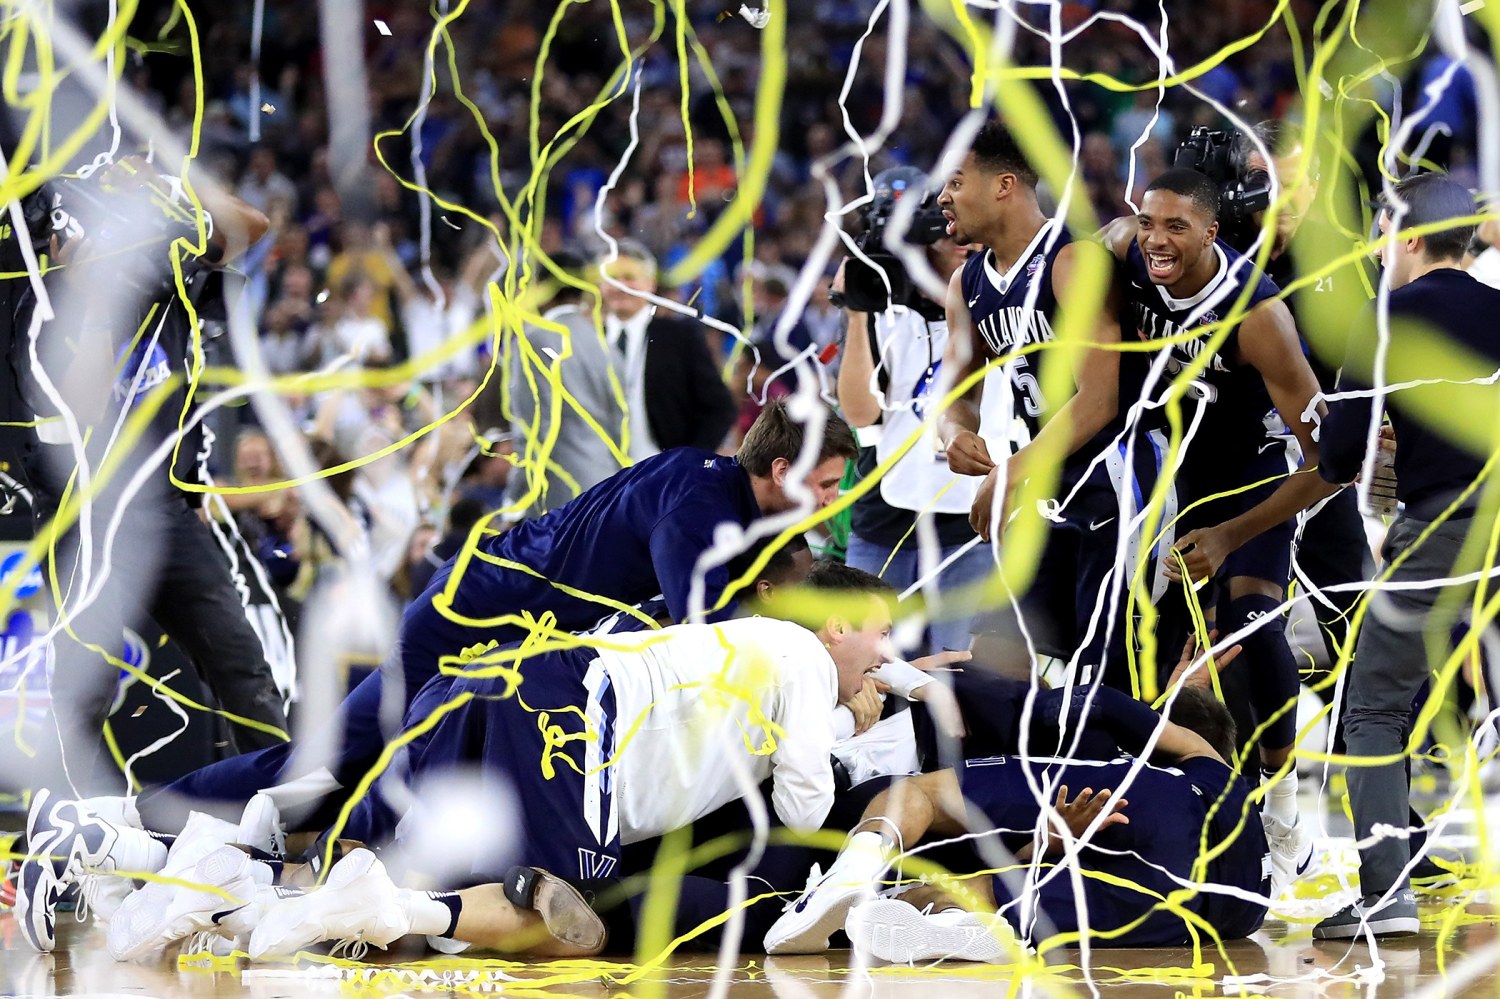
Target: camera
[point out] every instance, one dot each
(865, 287)
(1241, 193)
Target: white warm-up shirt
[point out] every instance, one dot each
(696, 702)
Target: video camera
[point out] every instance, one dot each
(865, 289)
(1241, 194)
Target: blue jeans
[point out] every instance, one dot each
(944, 630)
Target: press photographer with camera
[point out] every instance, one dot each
(893, 350)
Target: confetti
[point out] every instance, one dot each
(382, 27)
(757, 18)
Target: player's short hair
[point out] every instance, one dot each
(849, 589)
(1198, 710)
(995, 151)
(831, 574)
(1190, 184)
(1434, 197)
(1279, 135)
(774, 434)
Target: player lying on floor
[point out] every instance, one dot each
(1194, 833)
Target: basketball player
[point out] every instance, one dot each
(1183, 278)
(1006, 300)
(1192, 806)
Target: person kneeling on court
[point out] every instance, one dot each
(1193, 845)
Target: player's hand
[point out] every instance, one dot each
(1203, 676)
(865, 706)
(1079, 813)
(968, 454)
(942, 660)
(1203, 551)
(983, 510)
(1387, 438)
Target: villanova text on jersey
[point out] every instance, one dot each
(1234, 426)
(1016, 309)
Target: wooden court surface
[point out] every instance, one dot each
(1297, 967)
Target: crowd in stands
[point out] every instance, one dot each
(376, 283)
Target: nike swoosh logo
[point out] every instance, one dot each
(1306, 862)
(973, 301)
(802, 902)
(1268, 445)
(1096, 524)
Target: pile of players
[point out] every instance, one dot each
(536, 667)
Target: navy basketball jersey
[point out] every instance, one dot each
(1234, 428)
(1013, 310)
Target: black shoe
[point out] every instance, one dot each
(566, 913)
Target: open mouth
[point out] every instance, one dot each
(952, 222)
(1160, 266)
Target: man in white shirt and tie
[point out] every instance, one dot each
(674, 392)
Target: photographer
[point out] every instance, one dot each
(118, 353)
(890, 364)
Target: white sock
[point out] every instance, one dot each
(428, 914)
(261, 873)
(135, 850)
(863, 859)
(1281, 797)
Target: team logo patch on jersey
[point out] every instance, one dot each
(1034, 266)
(1209, 318)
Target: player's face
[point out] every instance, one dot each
(1400, 260)
(968, 202)
(1296, 200)
(1173, 235)
(858, 650)
(633, 274)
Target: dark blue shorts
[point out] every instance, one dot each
(1267, 556)
(1125, 872)
(546, 744)
(1074, 603)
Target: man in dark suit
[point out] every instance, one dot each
(665, 368)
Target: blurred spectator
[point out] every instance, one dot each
(565, 352)
(759, 373)
(265, 186)
(353, 329)
(1137, 121)
(364, 254)
(1486, 265)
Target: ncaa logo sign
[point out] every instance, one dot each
(30, 585)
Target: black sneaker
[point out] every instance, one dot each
(1396, 916)
(566, 912)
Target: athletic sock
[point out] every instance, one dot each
(1281, 797)
(863, 859)
(263, 873)
(432, 913)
